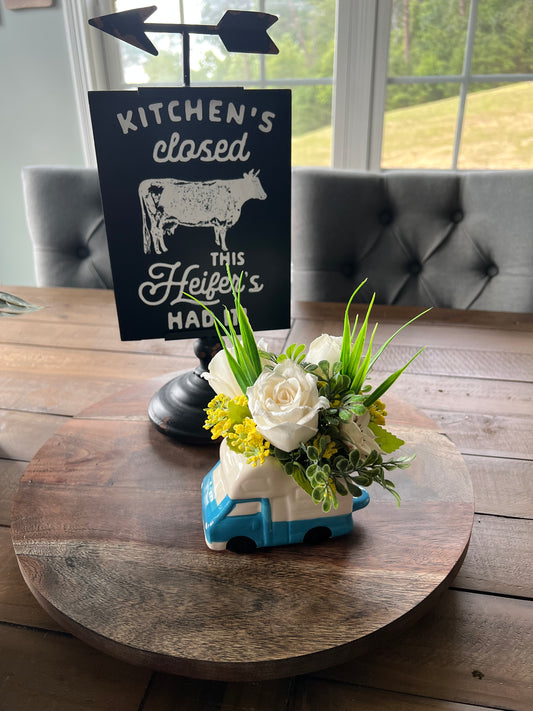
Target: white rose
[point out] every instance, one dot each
(220, 374)
(325, 347)
(284, 403)
(359, 435)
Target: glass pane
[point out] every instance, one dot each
(311, 125)
(421, 133)
(497, 128)
(428, 37)
(138, 67)
(304, 34)
(209, 60)
(503, 37)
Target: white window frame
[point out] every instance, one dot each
(360, 83)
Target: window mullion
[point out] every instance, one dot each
(465, 80)
(379, 83)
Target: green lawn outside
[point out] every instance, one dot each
(497, 133)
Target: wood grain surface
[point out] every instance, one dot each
(107, 529)
(471, 652)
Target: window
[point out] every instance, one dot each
(459, 87)
(376, 85)
(304, 33)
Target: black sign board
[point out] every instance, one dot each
(193, 180)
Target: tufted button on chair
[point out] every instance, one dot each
(422, 238)
(66, 224)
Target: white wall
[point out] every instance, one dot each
(38, 121)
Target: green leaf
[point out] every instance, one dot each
(311, 471)
(396, 496)
(405, 462)
(358, 409)
(295, 352)
(387, 441)
(299, 478)
(324, 367)
(342, 464)
(337, 367)
(355, 458)
(289, 468)
(340, 487)
(372, 459)
(353, 488)
(318, 494)
(312, 453)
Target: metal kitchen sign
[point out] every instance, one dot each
(193, 180)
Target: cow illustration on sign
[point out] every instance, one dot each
(167, 203)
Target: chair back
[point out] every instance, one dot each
(423, 238)
(66, 225)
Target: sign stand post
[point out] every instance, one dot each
(177, 409)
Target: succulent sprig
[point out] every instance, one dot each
(11, 305)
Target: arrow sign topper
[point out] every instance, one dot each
(240, 31)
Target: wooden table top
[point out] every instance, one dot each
(473, 650)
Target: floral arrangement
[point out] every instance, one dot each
(313, 410)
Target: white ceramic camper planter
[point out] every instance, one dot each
(246, 507)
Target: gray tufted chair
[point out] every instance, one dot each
(66, 225)
(423, 238)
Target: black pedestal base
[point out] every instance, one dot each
(177, 409)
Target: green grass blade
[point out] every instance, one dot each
(247, 334)
(359, 344)
(385, 385)
(239, 370)
(347, 336)
(361, 374)
(346, 345)
(217, 322)
(374, 359)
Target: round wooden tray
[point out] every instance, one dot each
(107, 529)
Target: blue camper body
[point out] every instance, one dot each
(264, 514)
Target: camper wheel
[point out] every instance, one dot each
(241, 544)
(317, 534)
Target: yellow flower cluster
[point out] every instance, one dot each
(331, 447)
(218, 420)
(378, 413)
(230, 418)
(246, 439)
